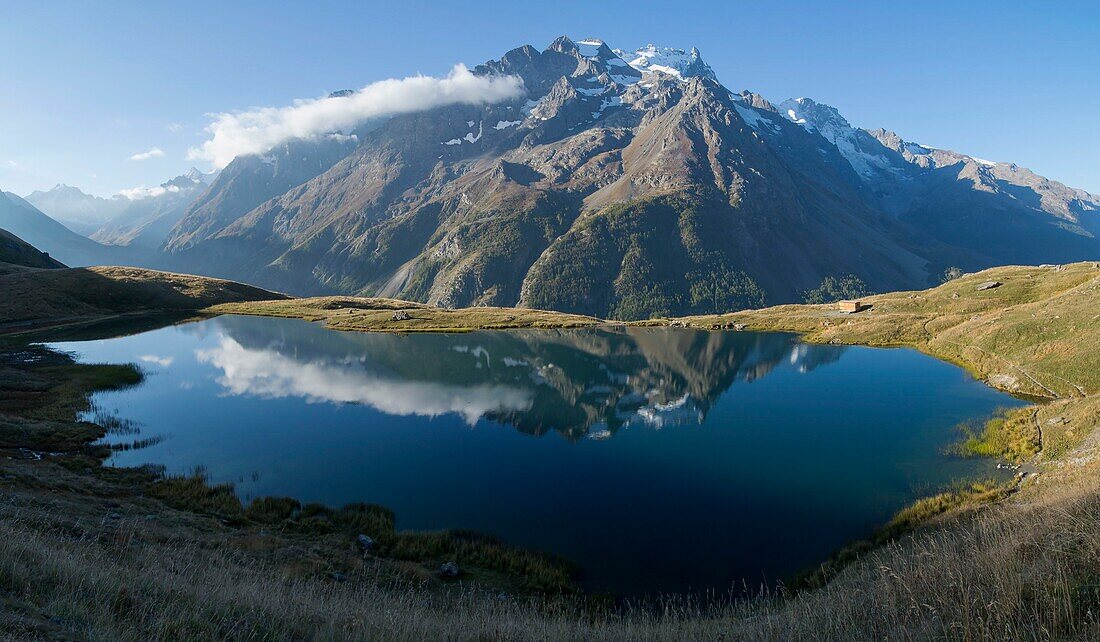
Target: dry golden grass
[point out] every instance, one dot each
(1025, 567)
(1037, 334)
(377, 315)
(124, 568)
(38, 298)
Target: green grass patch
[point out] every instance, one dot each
(194, 493)
(481, 555)
(1009, 434)
(76, 382)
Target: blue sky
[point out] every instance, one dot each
(85, 86)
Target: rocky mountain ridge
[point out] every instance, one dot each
(622, 184)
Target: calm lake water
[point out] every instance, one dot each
(657, 459)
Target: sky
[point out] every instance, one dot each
(109, 96)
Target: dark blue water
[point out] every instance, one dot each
(657, 459)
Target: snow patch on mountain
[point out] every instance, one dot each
(756, 119)
(470, 136)
(857, 146)
(589, 48)
(624, 80)
(678, 63)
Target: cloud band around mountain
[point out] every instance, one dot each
(258, 130)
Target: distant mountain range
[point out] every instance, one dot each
(141, 217)
(25, 221)
(622, 184)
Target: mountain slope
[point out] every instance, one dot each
(25, 221)
(250, 180)
(149, 215)
(48, 297)
(15, 251)
(467, 205)
(621, 188)
(1006, 213)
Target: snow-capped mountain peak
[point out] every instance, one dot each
(195, 175)
(678, 63)
(812, 115)
(862, 152)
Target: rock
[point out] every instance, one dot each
(954, 295)
(400, 315)
(449, 570)
(114, 516)
(1004, 382)
(678, 324)
(989, 285)
(338, 577)
(365, 542)
(1056, 421)
(739, 326)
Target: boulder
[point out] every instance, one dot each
(366, 544)
(449, 570)
(989, 285)
(401, 315)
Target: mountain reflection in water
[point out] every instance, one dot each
(774, 461)
(577, 382)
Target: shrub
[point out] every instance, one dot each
(833, 289)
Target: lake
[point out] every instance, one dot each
(658, 459)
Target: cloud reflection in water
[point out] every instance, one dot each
(268, 373)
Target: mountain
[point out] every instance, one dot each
(141, 217)
(676, 62)
(148, 215)
(14, 251)
(250, 180)
(28, 223)
(581, 383)
(1002, 212)
(599, 191)
(620, 185)
(80, 212)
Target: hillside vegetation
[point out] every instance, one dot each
(103, 553)
(1038, 333)
(15, 253)
(385, 315)
(53, 297)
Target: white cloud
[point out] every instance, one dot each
(258, 130)
(175, 127)
(138, 193)
(155, 152)
(163, 362)
(12, 163)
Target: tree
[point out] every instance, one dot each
(833, 289)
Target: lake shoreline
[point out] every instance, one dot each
(1063, 462)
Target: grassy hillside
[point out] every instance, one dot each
(16, 253)
(1038, 333)
(103, 553)
(377, 315)
(40, 298)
